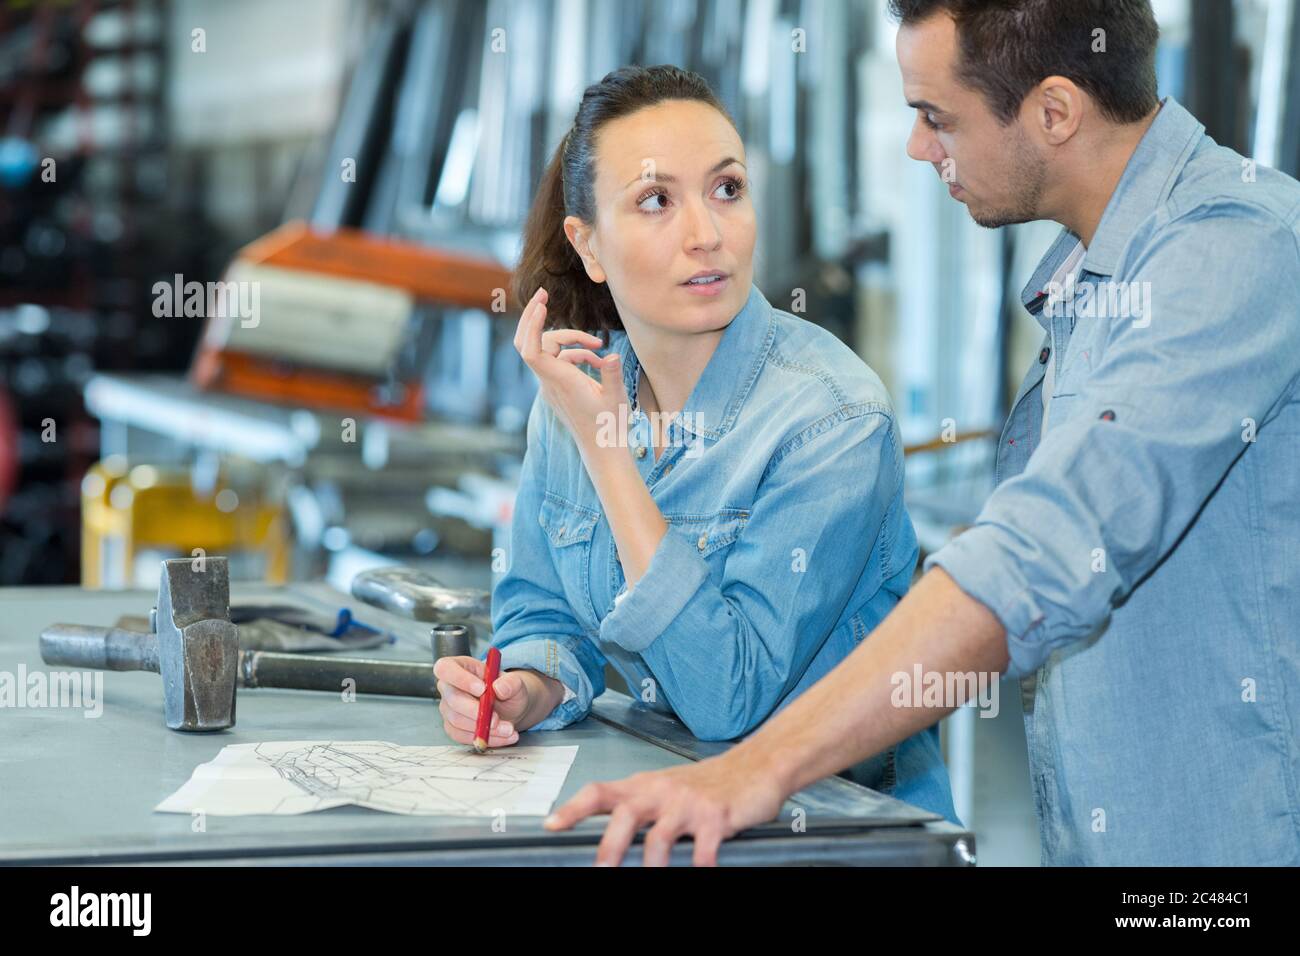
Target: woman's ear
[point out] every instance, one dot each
(579, 235)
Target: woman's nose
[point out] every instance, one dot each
(702, 230)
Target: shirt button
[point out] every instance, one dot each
(1042, 356)
(703, 542)
(1107, 416)
(640, 451)
(667, 468)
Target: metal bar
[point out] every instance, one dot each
(361, 131)
(936, 845)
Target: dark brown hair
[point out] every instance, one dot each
(1010, 46)
(548, 259)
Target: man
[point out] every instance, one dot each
(1140, 558)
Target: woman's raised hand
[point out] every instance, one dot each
(580, 401)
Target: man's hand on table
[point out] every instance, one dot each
(711, 801)
(845, 717)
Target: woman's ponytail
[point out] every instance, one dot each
(548, 259)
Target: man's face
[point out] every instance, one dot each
(994, 169)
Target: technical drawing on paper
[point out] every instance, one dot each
(299, 776)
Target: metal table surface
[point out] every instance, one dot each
(80, 789)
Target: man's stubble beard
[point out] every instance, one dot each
(1028, 179)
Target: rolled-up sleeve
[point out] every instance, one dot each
(533, 625)
(726, 652)
(1158, 422)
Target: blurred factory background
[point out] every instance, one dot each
(365, 167)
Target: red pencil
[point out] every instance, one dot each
(483, 728)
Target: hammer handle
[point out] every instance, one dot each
(320, 672)
(99, 648)
(115, 649)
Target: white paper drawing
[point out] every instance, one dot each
(299, 776)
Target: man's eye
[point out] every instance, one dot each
(929, 121)
(654, 202)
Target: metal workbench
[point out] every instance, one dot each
(79, 789)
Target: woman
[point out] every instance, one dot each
(717, 511)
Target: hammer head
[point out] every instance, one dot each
(198, 646)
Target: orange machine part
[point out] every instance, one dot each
(258, 377)
(432, 275)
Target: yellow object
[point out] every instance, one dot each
(126, 510)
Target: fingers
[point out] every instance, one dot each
(460, 719)
(592, 799)
(611, 377)
(508, 686)
(625, 817)
(463, 673)
(467, 737)
(619, 834)
(707, 840)
(458, 702)
(460, 686)
(526, 318)
(659, 841)
(675, 822)
(533, 335)
(553, 341)
(532, 341)
(452, 720)
(648, 799)
(528, 333)
(501, 730)
(580, 357)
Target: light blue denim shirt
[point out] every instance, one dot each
(788, 541)
(1145, 556)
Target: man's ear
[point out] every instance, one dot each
(579, 235)
(1056, 110)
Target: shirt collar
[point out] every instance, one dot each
(716, 400)
(1148, 179)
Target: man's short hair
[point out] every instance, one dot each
(1007, 47)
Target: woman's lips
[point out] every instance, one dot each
(707, 288)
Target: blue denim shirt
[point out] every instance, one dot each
(788, 541)
(1144, 557)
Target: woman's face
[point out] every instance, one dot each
(672, 206)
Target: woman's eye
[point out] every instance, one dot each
(654, 202)
(929, 121)
(729, 190)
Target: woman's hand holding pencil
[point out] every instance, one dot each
(520, 698)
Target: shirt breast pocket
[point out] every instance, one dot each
(712, 535)
(569, 529)
(1061, 409)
